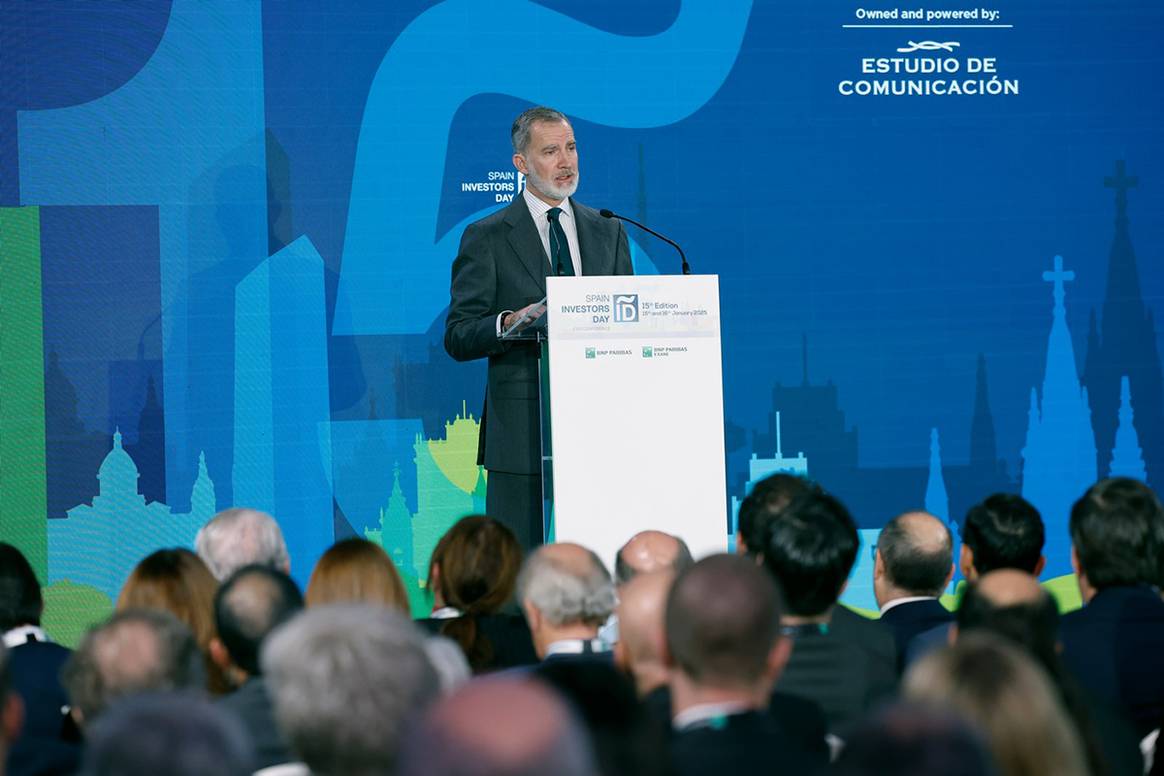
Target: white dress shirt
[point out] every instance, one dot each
(538, 210)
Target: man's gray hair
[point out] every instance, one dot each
(134, 651)
(344, 679)
(519, 133)
(561, 594)
(238, 537)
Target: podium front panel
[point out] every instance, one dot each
(636, 382)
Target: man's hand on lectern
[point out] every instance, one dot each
(535, 310)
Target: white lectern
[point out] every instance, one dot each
(636, 410)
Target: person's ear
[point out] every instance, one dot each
(966, 563)
(1039, 565)
(949, 576)
(622, 656)
(219, 654)
(778, 657)
(533, 617)
(519, 163)
(878, 565)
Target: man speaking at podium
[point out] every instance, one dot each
(499, 275)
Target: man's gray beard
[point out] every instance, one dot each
(548, 188)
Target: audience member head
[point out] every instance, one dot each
(20, 598)
(641, 649)
(1117, 536)
(1005, 531)
(909, 740)
(250, 604)
(474, 569)
(134, 651)
(241, 537)
(177, 581)
(356, 571)
(565, 592)
(448, 661)
(1008, 698)
(1012, 604)
(172, 733)
(624, 738)
(914, 558)
(343, 679)
(768, 497)
(723, 632)
(464, 735)
(649, 551)
(809, 546)
(11, 708)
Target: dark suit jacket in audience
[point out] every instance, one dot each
(251, 703)
(926, 642)
(909, 619)
(1114, 646)
(35, 667)
(508, 633)
(845, 670)
(800, 720)
(748, 743)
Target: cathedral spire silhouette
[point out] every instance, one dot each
(1127, 459)
(983, 444)
(1124, 345)
(1059, 459)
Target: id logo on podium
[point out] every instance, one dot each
(626, 308)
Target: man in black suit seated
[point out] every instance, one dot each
(1004, 531)
(1012, 604)
(566, 594)
(35, 668)
(809, 547)
(912, 566)
(726, 652)
(642, 654)
(248, 606)
(1114, 644)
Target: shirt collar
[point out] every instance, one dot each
(575, 647)
(539, 208)
(707, 714)
(446, 613)
(23, 635)
(907, 600)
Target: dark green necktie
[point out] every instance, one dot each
(559, 248)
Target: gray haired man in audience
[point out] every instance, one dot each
(240, 537)
(344, 679)
(134, 651)
(566, 594)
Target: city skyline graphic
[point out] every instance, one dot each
(225, 251)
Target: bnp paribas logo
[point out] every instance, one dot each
(626, 308)
(648, 351)
(590, 353)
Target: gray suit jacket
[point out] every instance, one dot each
(501, 265)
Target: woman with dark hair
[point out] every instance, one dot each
(177, 581)
(472, 576)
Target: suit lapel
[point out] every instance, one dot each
(523, 238)
(589, 241)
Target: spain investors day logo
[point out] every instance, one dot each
(626, 308)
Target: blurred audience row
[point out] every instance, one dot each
(215, 662)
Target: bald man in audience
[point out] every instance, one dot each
(725, 651)
(642, 649)
(566, 595)
(649, 551)
(912, 567)
(464, 733)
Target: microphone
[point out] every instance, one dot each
(611, 214)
